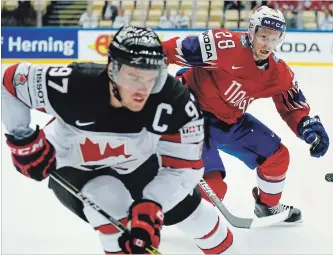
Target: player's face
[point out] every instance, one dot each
(135, 86)
(265, 40)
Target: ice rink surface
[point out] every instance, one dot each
(34, 221)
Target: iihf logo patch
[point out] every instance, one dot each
(20, 79)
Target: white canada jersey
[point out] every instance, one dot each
(89, 134)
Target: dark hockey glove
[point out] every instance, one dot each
(33, 156)
(145, 222)
(313, 132)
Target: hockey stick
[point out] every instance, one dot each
(73, 190)
(329, 176)
(242, 222)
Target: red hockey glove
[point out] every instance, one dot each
(33, 156)
(146, 220)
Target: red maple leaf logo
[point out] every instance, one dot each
(20, 79)
(91, 151)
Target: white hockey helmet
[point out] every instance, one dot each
(268, 18)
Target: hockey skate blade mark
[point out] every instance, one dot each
(270, 220)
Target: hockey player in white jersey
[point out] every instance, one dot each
(127, 134)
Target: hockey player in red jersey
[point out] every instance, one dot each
(119, 136)
(229, 70)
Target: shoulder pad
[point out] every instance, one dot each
(88, 68)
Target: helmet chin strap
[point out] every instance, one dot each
(254, 56)
(253, 53)
(115, 92)
(252, 48)
(256, 59)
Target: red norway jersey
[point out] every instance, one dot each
(226, 79)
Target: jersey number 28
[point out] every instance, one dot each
(224, 44)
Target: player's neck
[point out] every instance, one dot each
(115, 102)
(261, 63)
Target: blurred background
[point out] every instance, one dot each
(160, 14)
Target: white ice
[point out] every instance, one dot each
(35, 222)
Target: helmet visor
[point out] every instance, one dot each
(272, 32)
(134, 78)
(271, 41)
